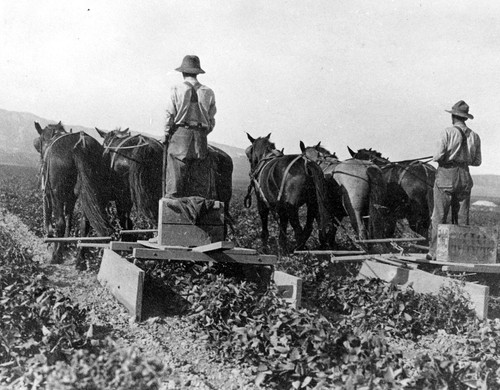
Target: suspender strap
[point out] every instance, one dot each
(464, 137)
(194, 93)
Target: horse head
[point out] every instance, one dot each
(47, 135)
(368, 154)
(110, 136)
(316, 153)
(261, 148)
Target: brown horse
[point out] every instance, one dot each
(362, 192)
(136, 161)
(409, 187)
(282, 184)
(71, 169)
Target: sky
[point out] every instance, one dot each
(351, 73)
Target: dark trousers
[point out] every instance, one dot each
(452, 190)
(189, 170)
(189, 177)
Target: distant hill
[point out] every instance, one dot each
(486, 186)
(17, 132)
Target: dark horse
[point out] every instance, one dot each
(409, 187)
(71, 168)
(136, 161)
(355, 188)
(282, 184)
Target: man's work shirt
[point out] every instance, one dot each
(450, 146)
(181, 109)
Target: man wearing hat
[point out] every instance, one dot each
(190, 117)
(458, 148)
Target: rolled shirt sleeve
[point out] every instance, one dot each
(171, 111)
(441, 147)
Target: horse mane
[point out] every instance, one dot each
(325, 151)
(371, 153)
(57, 128)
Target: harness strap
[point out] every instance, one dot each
(115, 149)
(402, 174)
(282, 186)
(81, 140)
(255, 177)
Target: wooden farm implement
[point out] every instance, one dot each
(461, 249)
(189, 229)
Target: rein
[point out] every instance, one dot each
(406, 165)
(116, 149)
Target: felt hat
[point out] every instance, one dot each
(190, 64)
(460, 109)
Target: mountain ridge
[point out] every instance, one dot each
(17, 132)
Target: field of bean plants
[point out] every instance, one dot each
(216, 329)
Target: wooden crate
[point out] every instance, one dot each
(467, 244)
(175, 227)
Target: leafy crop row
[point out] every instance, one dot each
(376, 305)
(46, 340)
(291, 348)
(20, 194)
(342, 340)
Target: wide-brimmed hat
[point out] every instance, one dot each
(461, 109)
(190, 64)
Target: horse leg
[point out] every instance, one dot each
(301, 236)
(80, 253)
(47, 212)
(123, 209)
(60, 226)
(361, 225)
(312, 214)
(68, 215)
(264, 217)
(283, 224)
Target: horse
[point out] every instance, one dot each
(135, 176)
(410, 186)
(137, 164)
(355, 188)
(282, 184)
(71, 169)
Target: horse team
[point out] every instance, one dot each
(371, 190)
(127, 169)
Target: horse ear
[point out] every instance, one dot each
(252, 140)
(268, 136)
(318, 145)
(102, 133)
(302, 147)
(38, 128)
(351, 152)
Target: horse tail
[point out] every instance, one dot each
(145, 178)
(324, 217)
(46, 198)
(430, 174)
(93, 189)
(378, 210)
(222, 168)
